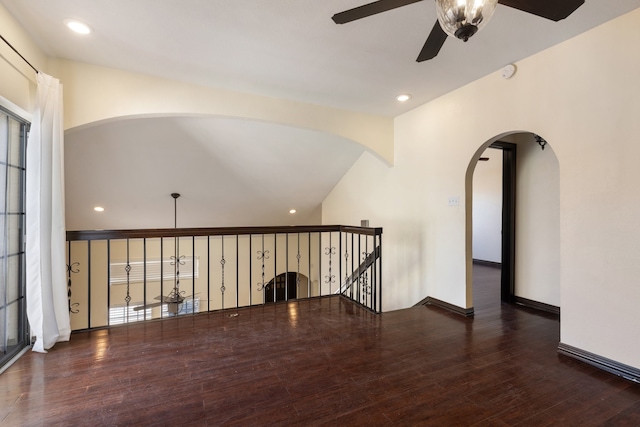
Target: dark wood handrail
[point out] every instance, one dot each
(219, 231)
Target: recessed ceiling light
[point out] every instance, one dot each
(403, 97)
(77, 26)
(292, 211)
(98, 209)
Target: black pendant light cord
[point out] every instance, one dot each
(19, 54)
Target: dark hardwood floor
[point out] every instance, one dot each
(321, 362)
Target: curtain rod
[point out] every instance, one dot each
(19, 54)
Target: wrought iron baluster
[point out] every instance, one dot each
(127, 298)
(331, 250)
(262, 255)
(89, 284)
(238, 271)
(346, 265)
(366, 287)
(144, 276)
(108, 281)
(193, 274)
(222, 264)
(72, 268)
(176, 294)
(298, 257)
(209, 274)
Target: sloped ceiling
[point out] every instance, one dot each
(229, 172)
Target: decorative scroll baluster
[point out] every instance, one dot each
(366, 287)
(176, 262)
(298, 257)
(262, 255)
(331, 278)
(72, 268)
(127, 298)
(346, 264)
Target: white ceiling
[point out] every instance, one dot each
(282, 48)
(292, 49)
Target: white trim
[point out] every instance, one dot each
(15, 109)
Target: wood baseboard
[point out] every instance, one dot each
(536, 305)
(467, 312)
(625, 371)
(487, 263)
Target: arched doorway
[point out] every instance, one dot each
(284, 287)
(530, 221)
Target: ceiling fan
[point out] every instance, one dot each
(176, 297)
(461, 18)
(173, 301)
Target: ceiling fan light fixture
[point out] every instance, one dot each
(463, 18)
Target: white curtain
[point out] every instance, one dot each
(47, 304)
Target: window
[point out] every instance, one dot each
(14, 334)
(123, 314)
(152, 268)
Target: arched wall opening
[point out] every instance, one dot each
(535, 250)
(287, 286)
(230, 171)
(94, 94)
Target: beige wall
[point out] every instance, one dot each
(94, 94)
(537, 269)
(583, 97)
(17, 82)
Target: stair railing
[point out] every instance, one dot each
(122, 276)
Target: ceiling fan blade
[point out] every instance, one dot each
(554, 10)
(433, 44)
(369, 9)
(144, 307)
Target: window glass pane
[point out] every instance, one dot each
(3, 330)
(13, 276)
(15, 195)
(14, 243)
(3, 139)
(13, 324)
(3, 187)
(3, 247)
(15, 143)
(3, 283)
